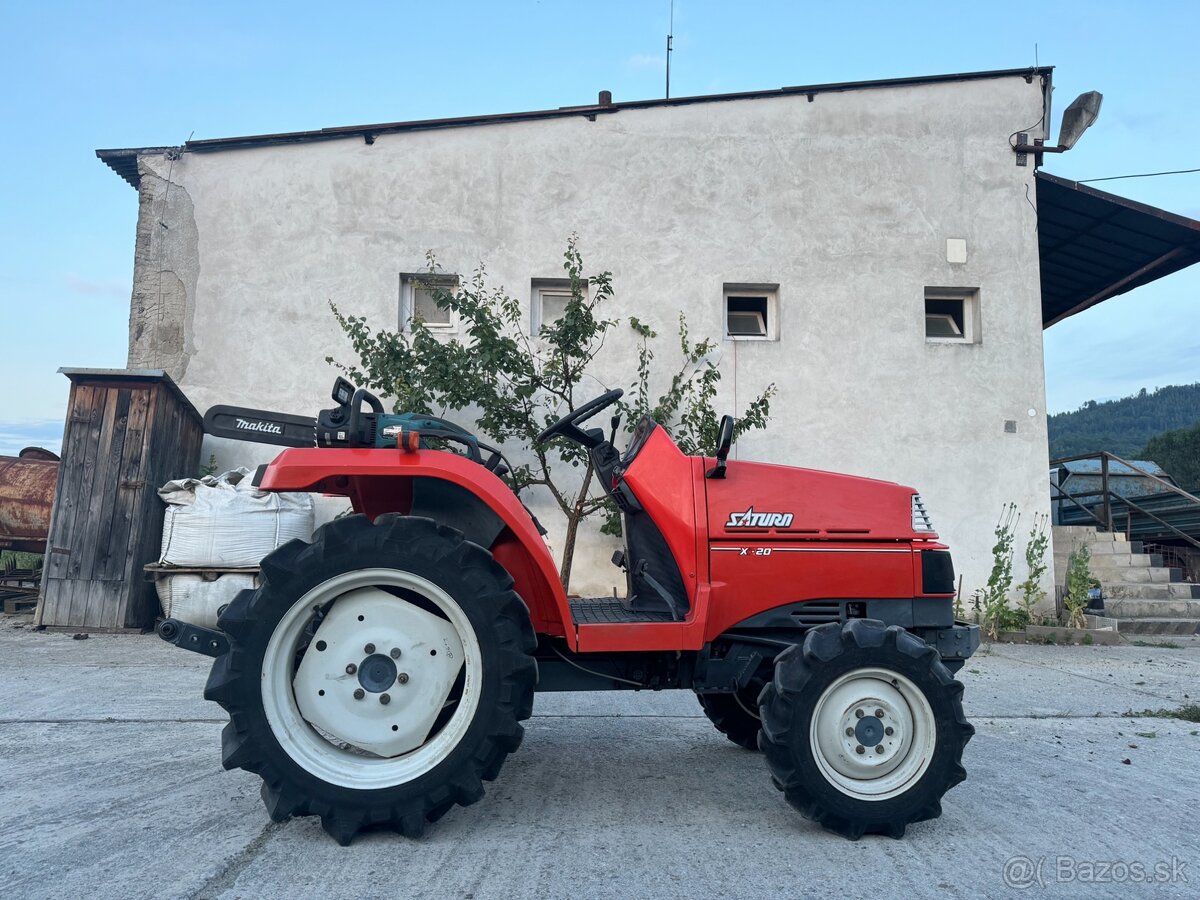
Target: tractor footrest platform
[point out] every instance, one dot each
(609, 611)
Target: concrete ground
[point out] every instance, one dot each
(112, 786)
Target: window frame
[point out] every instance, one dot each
(541, 287)
(968, 297)
(409, 282)
(748, 290)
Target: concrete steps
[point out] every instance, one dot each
(1121, 590)
(1127, 560)
(1138, 574)
(1181, 627)
(1145, 596)
(1138, 608)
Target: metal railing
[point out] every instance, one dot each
(1109, 497)
(1186, 559)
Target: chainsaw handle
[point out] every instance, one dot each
(355, 411)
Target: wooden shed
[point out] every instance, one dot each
(128, 431)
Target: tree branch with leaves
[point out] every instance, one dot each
(515, 384)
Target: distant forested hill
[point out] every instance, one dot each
(1178, 452)
(1124, 426)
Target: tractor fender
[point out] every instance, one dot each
(446, 487)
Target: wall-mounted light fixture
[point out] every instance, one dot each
(1076, 119)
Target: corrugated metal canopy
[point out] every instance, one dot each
(1094, 245)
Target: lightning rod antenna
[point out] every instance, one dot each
(670, 37)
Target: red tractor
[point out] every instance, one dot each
(379, 675)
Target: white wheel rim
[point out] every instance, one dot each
(872, 734)
(349, 767)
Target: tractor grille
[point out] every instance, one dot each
(920, 517)
(817, 612)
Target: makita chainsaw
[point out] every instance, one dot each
(349, 425)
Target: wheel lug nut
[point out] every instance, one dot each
(889, 731)
(370, 648)
(385, 700)
(395, 654)
(849, 732)
(351, 669)
(858, 714)
(359, 693)
(879, 713)
(402, 678)
(879, 748)
(860, 749)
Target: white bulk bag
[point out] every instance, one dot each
(224, 521)
(197, 599)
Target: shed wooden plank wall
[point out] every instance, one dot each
(127, 434)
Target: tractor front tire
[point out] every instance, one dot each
(377, 677)
(863, 728)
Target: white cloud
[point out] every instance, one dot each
(15, 436)
(646, 61)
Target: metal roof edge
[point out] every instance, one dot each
(124, 161)
(1157, 212)
(1139, 244)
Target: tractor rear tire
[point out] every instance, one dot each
(456, 716)
(863, 728)
(730, 714)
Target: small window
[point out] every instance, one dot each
(751, 312)
(426, 309)
(548, 301)
(943, 325)
(952, 315)
(418, 300)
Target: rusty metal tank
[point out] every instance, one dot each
(27, 484)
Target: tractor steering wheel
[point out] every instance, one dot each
(568, 425)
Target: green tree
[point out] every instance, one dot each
(515, 384)
(1178, 452)
(686, 407)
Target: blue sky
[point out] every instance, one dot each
(79, 76)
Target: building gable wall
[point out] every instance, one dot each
(846, 202)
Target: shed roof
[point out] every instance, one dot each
(1093, 467)
(131, 376)
(1094, 245)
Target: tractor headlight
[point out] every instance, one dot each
(920, 518)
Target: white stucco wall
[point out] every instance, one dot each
(846, 202)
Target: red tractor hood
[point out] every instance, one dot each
(783, 501)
